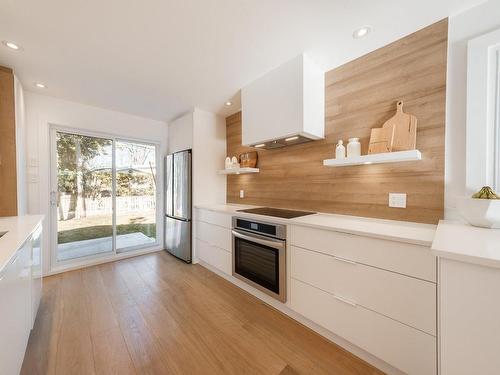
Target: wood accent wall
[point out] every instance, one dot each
(361, 95)
(8, 174)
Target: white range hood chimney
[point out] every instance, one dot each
(284, 107)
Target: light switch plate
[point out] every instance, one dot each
(397, 200)
(242, 193)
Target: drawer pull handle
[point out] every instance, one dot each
(345, 260)
(342, 299)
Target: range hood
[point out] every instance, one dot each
(285, 106)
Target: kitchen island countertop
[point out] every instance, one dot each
(18, 229)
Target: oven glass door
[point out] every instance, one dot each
(258, 263)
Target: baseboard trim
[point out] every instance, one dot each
(283, 308)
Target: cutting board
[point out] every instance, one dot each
(399, 133)
(381, 140)
(405, 129)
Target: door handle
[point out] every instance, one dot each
(53, 198)
(345, 260)
(277, 244)
(345, 300)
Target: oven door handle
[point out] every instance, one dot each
(277, 244)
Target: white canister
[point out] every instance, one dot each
(228, 163)
(340, 150)
(234, 162)
(353, 148)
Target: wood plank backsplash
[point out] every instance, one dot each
(361, 95)
(8, 173)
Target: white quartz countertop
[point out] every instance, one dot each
(463, 242)
(414, 233)
(18, 229)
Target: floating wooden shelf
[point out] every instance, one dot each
(239, 170)
(387, 157)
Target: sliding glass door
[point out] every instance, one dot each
(135, 195)
(84, 196)
(103, 196)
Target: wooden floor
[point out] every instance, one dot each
(154, 314)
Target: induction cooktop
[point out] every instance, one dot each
(277, 212)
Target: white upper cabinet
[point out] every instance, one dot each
(285, 106)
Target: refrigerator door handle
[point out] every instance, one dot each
(178, 218)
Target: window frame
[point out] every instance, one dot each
(483, 112)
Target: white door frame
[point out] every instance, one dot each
(57, 266)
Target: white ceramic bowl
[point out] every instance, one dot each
(483, 213)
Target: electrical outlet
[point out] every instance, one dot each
(397, 200)
(242, 193)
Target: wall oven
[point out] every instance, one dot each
(259, 255)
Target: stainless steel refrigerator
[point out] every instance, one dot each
(178, 205)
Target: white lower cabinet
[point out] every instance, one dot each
(470, 318)
(406, 299)
(15, 311)
(214, 256)
(379, 295)
(408, 349)
(215, 218)
(36, 272)
(20, 292)
(214, 234)
(407, 259)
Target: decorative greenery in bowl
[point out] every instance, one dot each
(482, 210)
(486, 193)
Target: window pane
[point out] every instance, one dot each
(135, 195)
(84, 199)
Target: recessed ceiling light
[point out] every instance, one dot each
(260, 145)
(11, 45)
(228, 104)
(40, 85)
(361, 32)
(292, 138)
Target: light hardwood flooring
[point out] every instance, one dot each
(154, 314)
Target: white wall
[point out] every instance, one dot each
(462, 27)
(20, 115)
(181, 133)
(205, 133)
(209, 153)
(42, 111)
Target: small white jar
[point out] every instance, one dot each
(340, 150)
(353, 148)
(234, 162)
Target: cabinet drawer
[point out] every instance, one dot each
(214, 256)
(214, 235)
(408, 349)
(406, 299)
(412, 260)
(212, 217)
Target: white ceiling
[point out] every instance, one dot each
(159, 58)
